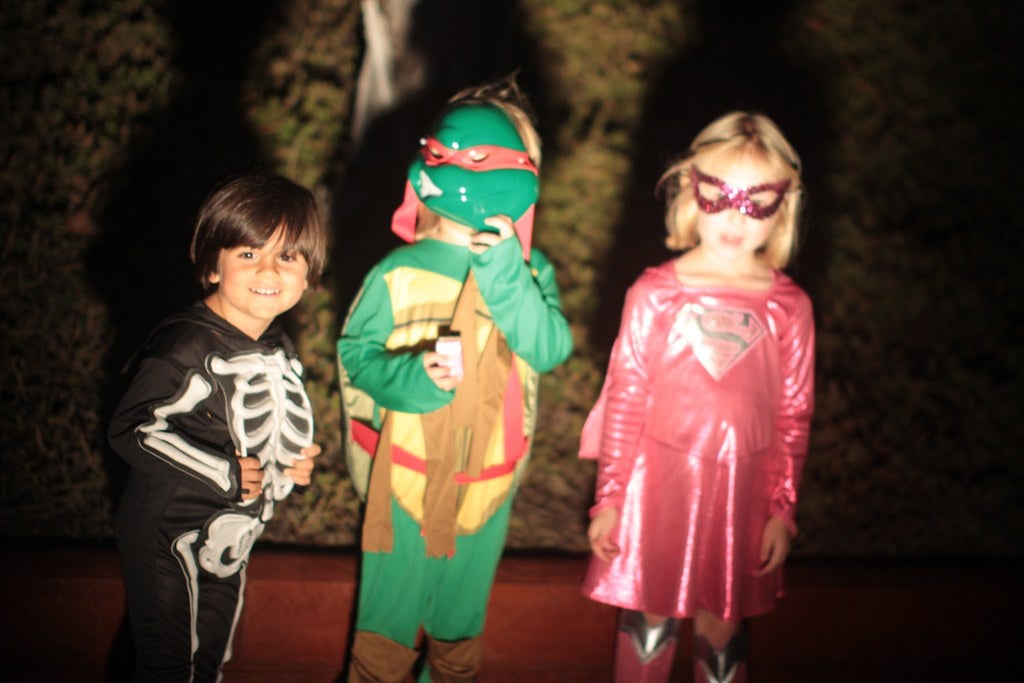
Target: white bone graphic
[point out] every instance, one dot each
(183, 547)
(175, 449)
(229, 539)
(427, 187)
(270, 415)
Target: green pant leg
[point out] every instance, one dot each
(398, 590)
(464, 585)
(395, 588)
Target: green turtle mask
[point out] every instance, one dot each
(475, 166)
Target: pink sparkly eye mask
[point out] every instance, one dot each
(758, 201)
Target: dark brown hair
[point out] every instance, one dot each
(247, 211)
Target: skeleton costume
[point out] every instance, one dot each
(445, 463)
(700, 433)
(203, 392)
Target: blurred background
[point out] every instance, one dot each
(119, 117)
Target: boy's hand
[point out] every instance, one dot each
(301, 471)
(774, 546)
(600, 530)
(250, 481)
(483, 240)
(436, 365)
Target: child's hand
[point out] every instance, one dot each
(775, 543)
(250, 481)
(301, 471)
(437, 369)
(601, 527)
(483, 240)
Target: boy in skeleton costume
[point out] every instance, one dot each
(216, 426)
(448, 434)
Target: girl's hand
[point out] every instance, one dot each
(600, 530)
(250, 481)
(775, 543)
(483, 240)
(437, 370)
(301, 471)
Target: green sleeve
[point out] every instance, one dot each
(395, 380)
(523, 299)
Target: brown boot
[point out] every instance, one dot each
(455, 661)
(376, 659)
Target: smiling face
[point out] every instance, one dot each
(737, 208)
(256, 284)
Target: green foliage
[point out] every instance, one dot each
(77, 83)
(915, 426)
(300, 88)
(602, 56)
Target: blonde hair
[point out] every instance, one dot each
(735, 137)
(427, 222)
(505, 95)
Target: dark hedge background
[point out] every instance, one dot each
(118, 117)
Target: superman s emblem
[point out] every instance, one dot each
(719, 337)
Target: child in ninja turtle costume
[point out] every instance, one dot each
(439, 360)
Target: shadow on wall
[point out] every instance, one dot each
(739, 64)
(457, 45)
(139, 263)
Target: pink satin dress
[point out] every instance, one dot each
(700, 434)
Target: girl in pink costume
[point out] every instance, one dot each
(701, 428)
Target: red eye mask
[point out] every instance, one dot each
(714, 195)
(476, 158)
